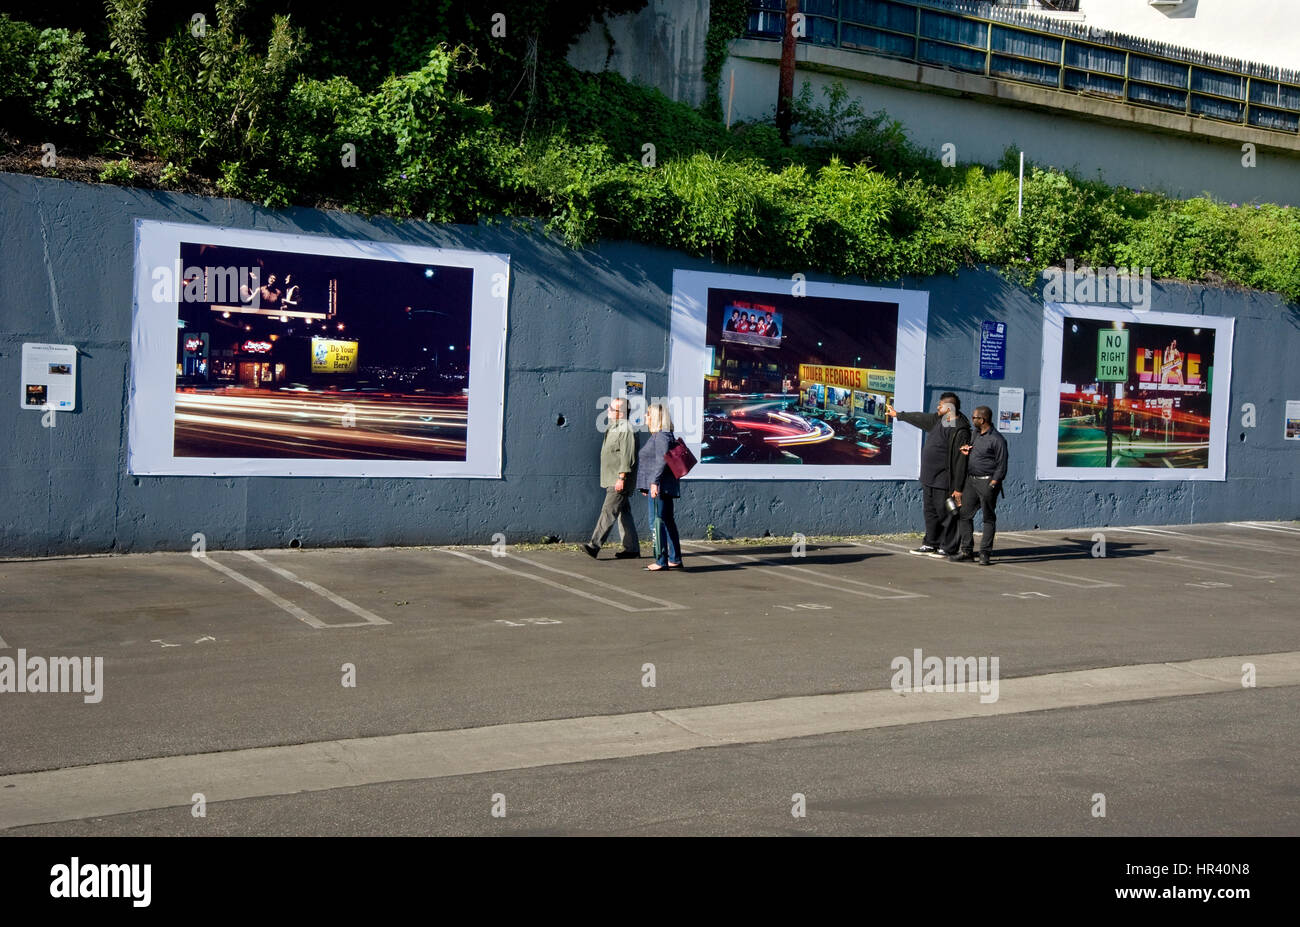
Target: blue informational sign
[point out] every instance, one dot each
(993, 350)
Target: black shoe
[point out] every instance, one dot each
(964, 557)
(627, 555)
(939, 552)
(984, 559)
(923, 549)
(590, 551)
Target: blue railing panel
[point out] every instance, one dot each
(1032, 71)
(886, 43)
(765, 24)
(1103, 84)
(1219, 84)
(820, 31)
(1274, 119)
(951, 56)
(821, 7)
(1271, 94)
(953, 29)
(1091, 58)
(1153, 71)
(1217, 109)
(1027, 45)
(880, 13)
(1157, 96)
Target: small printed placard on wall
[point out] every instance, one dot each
(993, 350)
(1011, 410)
(630, 386)
(1291, 430)
(49, 377)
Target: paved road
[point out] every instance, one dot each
(237, 651)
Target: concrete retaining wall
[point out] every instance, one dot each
(575, 316)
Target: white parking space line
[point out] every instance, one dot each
(301, 614)
(663, 605)
(1165, 534)
(3, 645)
(1202, 566)
(366, 616)
(1260, 526)
(828, 580)
(297, 611)
(1078, 582)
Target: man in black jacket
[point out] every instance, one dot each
(985, 471)
(943, 469)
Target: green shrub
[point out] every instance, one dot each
(446, 139)
(119, 172)
(210, 101)
(52, 86)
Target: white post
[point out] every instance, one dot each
(731, 92)
(1020, 195)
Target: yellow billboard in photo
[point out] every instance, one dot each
(331, 356)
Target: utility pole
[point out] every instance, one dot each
(785, 90)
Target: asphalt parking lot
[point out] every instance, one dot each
(237, 651)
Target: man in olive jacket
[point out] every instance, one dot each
(943, 470)
(617, 466)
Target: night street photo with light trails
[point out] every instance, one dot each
(293, 355)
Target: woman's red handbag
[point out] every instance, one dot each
(679, 458)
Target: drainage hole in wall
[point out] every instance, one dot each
(295, 543)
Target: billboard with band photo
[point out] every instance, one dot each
(263, 354)
(798, 378)
(1133, 396)
(748, 321)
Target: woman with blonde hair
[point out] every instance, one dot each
(658, 483)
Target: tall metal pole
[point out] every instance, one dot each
(1110, 421)
(1020, 195)
(785, 90)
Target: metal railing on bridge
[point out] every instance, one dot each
(1032, 48)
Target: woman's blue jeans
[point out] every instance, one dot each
(668, 546)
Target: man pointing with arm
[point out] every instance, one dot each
(943, 469)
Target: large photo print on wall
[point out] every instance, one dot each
(257, 353)
(785, 379)
(1133, 396)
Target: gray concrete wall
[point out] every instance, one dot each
(575, 316)
(661, 46)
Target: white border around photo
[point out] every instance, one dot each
(1054, 315)
(688, 356)
(151, 421)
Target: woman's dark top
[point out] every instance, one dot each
(650, 466)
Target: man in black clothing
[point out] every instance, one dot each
(943, 470)
(987, 468)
